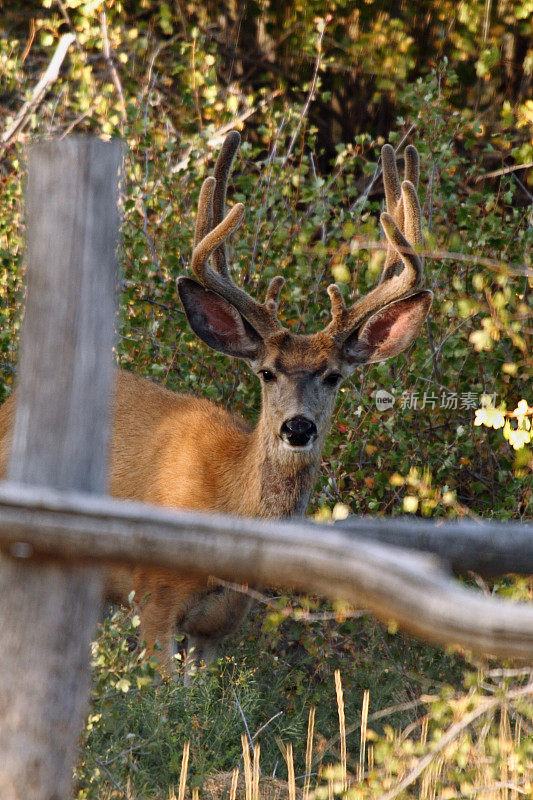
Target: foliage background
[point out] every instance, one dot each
(315, 89)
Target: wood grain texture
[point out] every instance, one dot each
(48, 610)
(487, 547)
(396, 584)
(61, 435)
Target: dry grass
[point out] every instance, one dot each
(498, 773)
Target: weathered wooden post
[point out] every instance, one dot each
(49, 608)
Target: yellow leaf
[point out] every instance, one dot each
(396, 480)
(509, 368)
(410, 504)
(517, 438)
(341, 273)
(340, 511)
(481, 340)
(490, 417)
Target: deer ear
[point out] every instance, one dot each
(217, 323)
(389, 331)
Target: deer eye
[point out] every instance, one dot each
(333, 379)
(267, 376)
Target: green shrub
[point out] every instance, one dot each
(312, 216)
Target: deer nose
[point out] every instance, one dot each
(298, 431)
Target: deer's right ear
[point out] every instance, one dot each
(217, 323)
(390, 330)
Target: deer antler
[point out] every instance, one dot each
(402, 223)
(212, 230)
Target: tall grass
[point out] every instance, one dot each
(485, 751)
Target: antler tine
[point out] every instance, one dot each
(204, 248)
(338, 306)
(272, 296)
(411, 274)
(412, 214)
(221, 175)
(402, 223)
(204, 216)
(394, 205)
(391, 180)
(412, 165)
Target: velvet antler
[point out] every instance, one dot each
(213, 227)
(402, 223)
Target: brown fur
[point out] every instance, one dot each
(185, 452)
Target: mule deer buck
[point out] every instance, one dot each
(182, 451)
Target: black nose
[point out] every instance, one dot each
(298, 431)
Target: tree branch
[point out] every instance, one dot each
(47, 78)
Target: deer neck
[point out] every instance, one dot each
(278, 483)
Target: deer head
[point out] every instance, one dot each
(300, 374)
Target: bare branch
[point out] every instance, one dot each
(310, 95)
(111, 64)
(47, 78)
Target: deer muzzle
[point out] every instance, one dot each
(298, 431)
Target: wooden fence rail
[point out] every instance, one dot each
(413, 589)
(487, 547)
(56, 528)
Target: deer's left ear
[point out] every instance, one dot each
(389, 331)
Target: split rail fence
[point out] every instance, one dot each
(58, 528)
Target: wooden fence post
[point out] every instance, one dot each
(49, 608)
